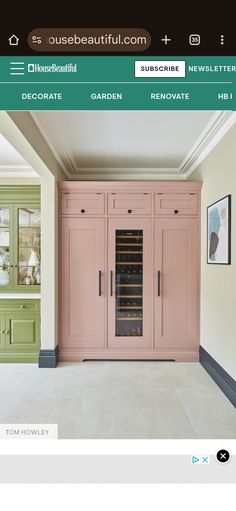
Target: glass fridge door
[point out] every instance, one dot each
(129, 283)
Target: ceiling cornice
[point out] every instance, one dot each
(218, 126)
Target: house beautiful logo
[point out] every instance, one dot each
(52, 68)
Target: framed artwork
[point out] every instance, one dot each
(219, 232)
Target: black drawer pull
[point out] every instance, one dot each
(158, 283)
(176, 211)
(129, 210)
(82, 210)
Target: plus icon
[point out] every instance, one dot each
(166, 39)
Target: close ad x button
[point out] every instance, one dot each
(223, 456)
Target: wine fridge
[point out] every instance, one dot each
(129, 253)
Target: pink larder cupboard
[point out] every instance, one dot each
(129, 270)
(82, 303)
(176, 295)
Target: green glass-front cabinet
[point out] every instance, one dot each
(20, 264)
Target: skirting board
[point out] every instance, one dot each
(226, 383)
(48, 358)
(78, 355)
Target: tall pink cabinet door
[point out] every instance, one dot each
(82, 307)
(130, 283)
(176, 283)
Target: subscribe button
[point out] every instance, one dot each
(159, 69)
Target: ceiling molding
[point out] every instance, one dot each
(147, 176)
(215, 130)
(218, 126)
(69, 168)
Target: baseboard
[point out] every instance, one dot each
(48, 358)
(77, 355)
(226, 383)
(18, 358)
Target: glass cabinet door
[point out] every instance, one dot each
(130, 282)
(28, 247)
(6, 265)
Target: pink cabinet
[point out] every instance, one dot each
(176, 204)
(129, 281)
(82, 283)
(176, 283)
(82, 203)
(129, 204)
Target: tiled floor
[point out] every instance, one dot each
(118, 400)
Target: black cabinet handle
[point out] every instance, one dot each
(158, 283)
(111, 277)
(129, 210)
(100, 282)
(176, 211)
(82, 210)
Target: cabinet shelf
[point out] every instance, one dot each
(129, 263)
(129, 319)
(29, 246)
(128, 237)
(129, 244)
(128, 307)
(129, 296)
(130, 252)
(129, 285)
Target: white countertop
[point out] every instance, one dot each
(26, 296)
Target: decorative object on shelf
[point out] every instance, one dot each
(219, 231)
(37, 275)
(33, 258)
(4, 277)
(4, 238)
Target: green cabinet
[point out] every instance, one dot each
(20, 239)
(19, 330)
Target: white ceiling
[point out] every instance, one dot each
(109, 144)
(11, 162)
(122, 144)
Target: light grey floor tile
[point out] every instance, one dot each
(104, 399)
(212, 415)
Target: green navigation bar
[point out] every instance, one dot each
(117, 83)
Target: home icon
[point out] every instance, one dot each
(13, 40)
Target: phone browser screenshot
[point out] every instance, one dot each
(118, 258)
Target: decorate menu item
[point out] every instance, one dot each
(129, 283)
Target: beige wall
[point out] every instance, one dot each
(218, 283)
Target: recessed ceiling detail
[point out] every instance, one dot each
(131, 144)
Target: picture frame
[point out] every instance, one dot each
(219, 231)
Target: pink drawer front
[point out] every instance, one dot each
(176, 204)
(127, 203)
(82, 204)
